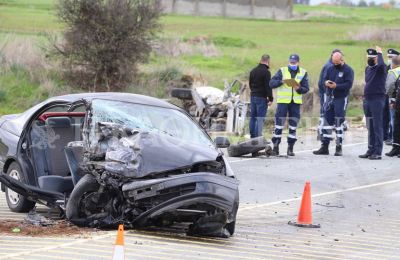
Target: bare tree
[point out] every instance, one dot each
(104, 40)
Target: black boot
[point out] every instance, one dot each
(338, 151)
(290, 150)
(275, 151)
(364, 156)
(395, 151)
(323, 150)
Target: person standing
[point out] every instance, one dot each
(374, 102)
(392, 90)
(388, 112)
(261, 95)
(338, 81)
(321, 90)
(289, 100)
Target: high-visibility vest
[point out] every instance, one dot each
(395, 71)
(286, 93)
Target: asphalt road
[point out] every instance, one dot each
(357, 203)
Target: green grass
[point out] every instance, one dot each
(240, 42)
(17, 91)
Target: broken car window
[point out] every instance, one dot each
(150, 119)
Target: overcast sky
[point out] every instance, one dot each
(313, 2)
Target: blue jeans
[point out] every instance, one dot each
(258, 108)
(391, 128)
(373, 113)
(386, 121)
(282, 111)
(334, 116)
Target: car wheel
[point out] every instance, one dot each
(86, 186)
(250, 146)
(16, 202)
(268, 150)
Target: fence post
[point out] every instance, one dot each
(224, 8)
(197, 8)
(252, 13)
(173, 8)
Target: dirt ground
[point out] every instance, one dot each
(58, 228)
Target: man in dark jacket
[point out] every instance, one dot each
(338, 82)
(321, 81)
(321, 90)
(261, 95)
(374, 102)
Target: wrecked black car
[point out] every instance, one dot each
(104, 159)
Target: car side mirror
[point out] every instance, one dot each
(222, 142)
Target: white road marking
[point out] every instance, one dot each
(47, 248)
(323, 194)
(297, 152)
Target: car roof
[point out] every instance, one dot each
(17, 122)
(116, 96)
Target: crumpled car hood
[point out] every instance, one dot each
(146, 153)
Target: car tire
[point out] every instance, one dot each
(182, 93)
(16, 202)
(250, 146)
(268, 151)
(85, 185)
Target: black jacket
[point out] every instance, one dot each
(259, 82)
(375, 79)
(343, 77)
(322, 75)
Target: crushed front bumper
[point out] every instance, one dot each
(188, 194)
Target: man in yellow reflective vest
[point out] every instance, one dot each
(392, 90)
(291, 83)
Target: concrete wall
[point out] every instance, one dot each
(267, 9)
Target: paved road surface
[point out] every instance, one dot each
(357, 203)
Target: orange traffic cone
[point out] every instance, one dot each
(304, 218)
(119, 253)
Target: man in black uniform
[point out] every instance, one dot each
(374, 102)
(261, 95)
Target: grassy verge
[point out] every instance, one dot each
(312, 33)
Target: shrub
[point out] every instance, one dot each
(105, 40)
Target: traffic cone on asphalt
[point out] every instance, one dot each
(304, 218)
(119, 253)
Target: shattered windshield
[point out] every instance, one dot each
(149, 118)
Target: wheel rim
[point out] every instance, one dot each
(13, 197)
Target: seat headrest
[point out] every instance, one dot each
(58, 122)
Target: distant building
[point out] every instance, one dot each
(264, 9)
(301, 2)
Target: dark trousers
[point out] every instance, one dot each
(258, 108)
(387, 131)
(292, 111)
(396, 125)
(334, 116)
(373, 110)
